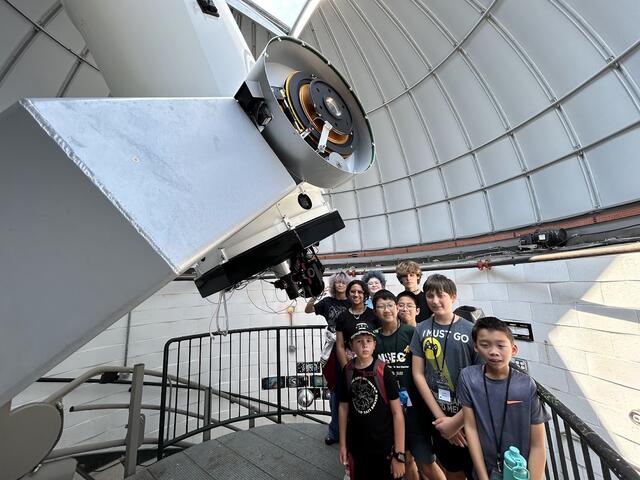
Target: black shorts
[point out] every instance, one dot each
(371, 467)
(451, 457)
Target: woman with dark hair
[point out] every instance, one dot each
(357, 293)
(375, 281)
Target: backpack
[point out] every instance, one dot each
(470, 313)
(377, 373)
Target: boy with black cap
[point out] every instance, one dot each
(371, 418)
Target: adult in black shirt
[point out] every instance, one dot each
(357, 293)
(331, 307)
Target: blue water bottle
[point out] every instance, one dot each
(514, 465)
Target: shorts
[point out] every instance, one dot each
(418, 437)
(371, 467)
(451, 457)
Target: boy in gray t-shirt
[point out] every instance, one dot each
(500, 404)
(442, 347)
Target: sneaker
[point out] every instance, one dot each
(330, 440)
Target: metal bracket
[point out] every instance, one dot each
(324, 137)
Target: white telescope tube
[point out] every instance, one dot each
(146, 48)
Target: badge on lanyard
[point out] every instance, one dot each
(405, 399)
(444, 394)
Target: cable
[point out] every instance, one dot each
(222, 299)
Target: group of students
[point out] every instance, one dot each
(425, 395)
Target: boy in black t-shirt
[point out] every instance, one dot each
(408, 273)
(371, 419)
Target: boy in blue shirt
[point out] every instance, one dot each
(500, 404)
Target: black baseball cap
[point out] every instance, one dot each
(363, 328)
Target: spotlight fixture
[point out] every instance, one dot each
(544, 239)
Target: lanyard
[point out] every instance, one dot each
(446, 340)
(504, 416)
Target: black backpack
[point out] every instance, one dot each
(469, 313)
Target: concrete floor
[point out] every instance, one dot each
(286, 451)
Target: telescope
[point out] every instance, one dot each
(202, 160)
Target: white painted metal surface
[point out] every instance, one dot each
(170, 49)
(109, 200)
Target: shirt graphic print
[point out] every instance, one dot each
(446, 349)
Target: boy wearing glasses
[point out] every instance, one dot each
(392, 346)
(408, 308)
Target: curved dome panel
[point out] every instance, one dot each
(488, 116)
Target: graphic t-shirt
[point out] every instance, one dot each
(370, 423)
(331, 308)
(523, 409)
(347, 321)
(394, 350)
(446, 349)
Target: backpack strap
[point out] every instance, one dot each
(378, 369)
(348, 375)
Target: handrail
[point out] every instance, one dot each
(243, 330)
(135, 422)
(612, 459)
(96, 446)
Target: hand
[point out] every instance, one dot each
(344, 456)
(446, 426)
(458, 439)
(397, 468)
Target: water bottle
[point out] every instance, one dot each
(520, 473)
(514, 461)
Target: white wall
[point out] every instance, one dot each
(585, 316)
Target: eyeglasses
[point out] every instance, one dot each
(356, 292)
(382, 308)
(406, 306)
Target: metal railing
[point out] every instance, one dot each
(575, 451)
(240, 377)
(253, 373)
